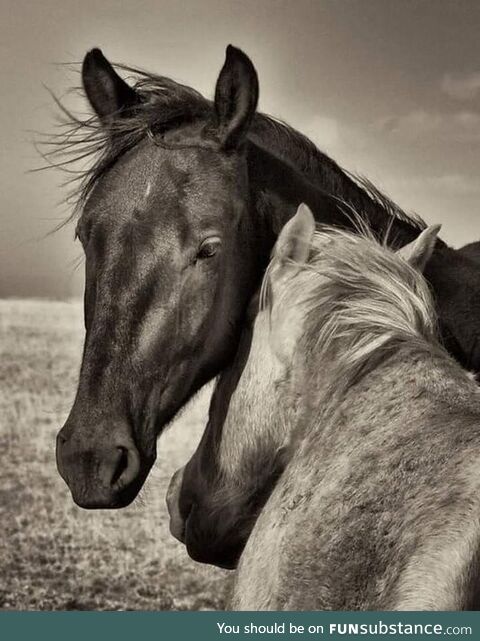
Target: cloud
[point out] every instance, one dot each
(445, 184)
(461, 126)
(456, 184)
(323, 131)
(341, 140)
(461, 86)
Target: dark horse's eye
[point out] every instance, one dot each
(209, 247)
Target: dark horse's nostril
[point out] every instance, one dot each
(127, 468)
(122, 465)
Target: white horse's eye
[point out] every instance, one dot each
(209, 247)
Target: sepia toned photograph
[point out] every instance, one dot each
(240, 305)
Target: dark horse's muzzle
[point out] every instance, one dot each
(103, 471)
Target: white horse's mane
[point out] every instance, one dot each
(360, 299)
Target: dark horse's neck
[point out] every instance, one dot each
(278, 189)
(294, 149)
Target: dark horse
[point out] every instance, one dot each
(178, 215)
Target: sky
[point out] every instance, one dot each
(389, 89)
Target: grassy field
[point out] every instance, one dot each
(53, 555)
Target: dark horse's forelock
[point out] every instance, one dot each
(164, 104)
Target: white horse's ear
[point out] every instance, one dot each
(419, 251)
(295, 239)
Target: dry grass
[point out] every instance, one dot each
(53, 555)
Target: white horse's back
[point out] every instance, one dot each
(379, 507)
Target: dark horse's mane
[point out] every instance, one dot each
(165, 104)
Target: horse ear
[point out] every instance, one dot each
(419, 251)
(236, 97)
(295, 239)
(107, 93)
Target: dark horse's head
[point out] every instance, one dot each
(170, 258)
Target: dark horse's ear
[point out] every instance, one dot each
(236, 97)
(108, 94)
